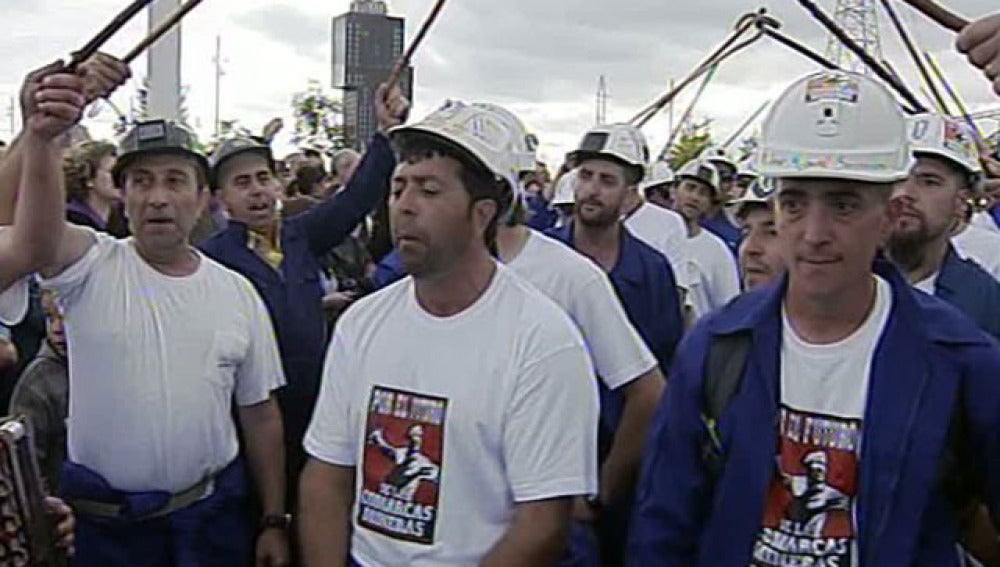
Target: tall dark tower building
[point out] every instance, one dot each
(366, 44)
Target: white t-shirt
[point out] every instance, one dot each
(809, 513)
(451, 421)
(984, 220)
(585, 293)
(665, 231)
(980, 245)
(14, 303)
(712, 275)
(927, 285)
(154, 364)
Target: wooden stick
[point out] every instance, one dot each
(160, 30)
(102, 37)
(404, 61)
(944, 17)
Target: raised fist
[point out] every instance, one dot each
(980, 42)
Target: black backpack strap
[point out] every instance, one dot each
(727, 358)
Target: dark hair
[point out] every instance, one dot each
(633, 174)
(312, 153)
(80, 166)
(477, 179)
(306, 178)
(969, 181)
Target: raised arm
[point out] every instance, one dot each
(33, 240)
(101, 75)
(329, 223)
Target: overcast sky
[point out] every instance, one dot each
(540, 58)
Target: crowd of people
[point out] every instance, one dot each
(783, 358)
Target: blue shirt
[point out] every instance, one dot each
(647, 290)
(720, 226)
(293, 294)
(971, 289)
(541, 217)
(929, 358)
(389, 270)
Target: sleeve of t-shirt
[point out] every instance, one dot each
(618, 351)
(331, 436)
(70, 284)
(727, 279)
(260, 373)
(677, 254)
(14, 302)
(550, 436)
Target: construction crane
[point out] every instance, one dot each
(859, 19)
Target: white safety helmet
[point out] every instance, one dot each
(835, 125)
(565, 193)
(945, 137)
(523, 145)
(659, 174)
(747, 168)
(757, 194)
(717, 155)
(701, 170)
(622, 143)
(484, 133)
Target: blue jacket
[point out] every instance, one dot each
(928, 357)
(971, 289)
(720, 226)
(647, 290)
(389, 270)
(294, 296)
(541, 217)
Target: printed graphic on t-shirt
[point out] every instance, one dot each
(401, 467)
(809, 508)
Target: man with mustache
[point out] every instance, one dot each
(479, 384)
(843, 359)
(283, 258)
(933, 201)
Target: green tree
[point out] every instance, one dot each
(317, 119)
(694, 138)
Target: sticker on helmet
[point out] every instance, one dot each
(832, 88)
(151, 131)
(920, 128)
(957, 140)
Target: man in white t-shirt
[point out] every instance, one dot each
(162, 340)
(808, 423)
(661, 228)
(711, 274)
(457, 418)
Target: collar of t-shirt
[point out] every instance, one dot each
(929, 284)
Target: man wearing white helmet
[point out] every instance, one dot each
(717, 221)
(611, 161)
(661, 228)
(759, 255)
(710, 272)
(564, 197)
(745, 176)
(933, 200)
(843, 358)
(493, 372)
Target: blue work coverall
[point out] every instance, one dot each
(645, 286)
(929, 360)
(293, 294)
(971, 289)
